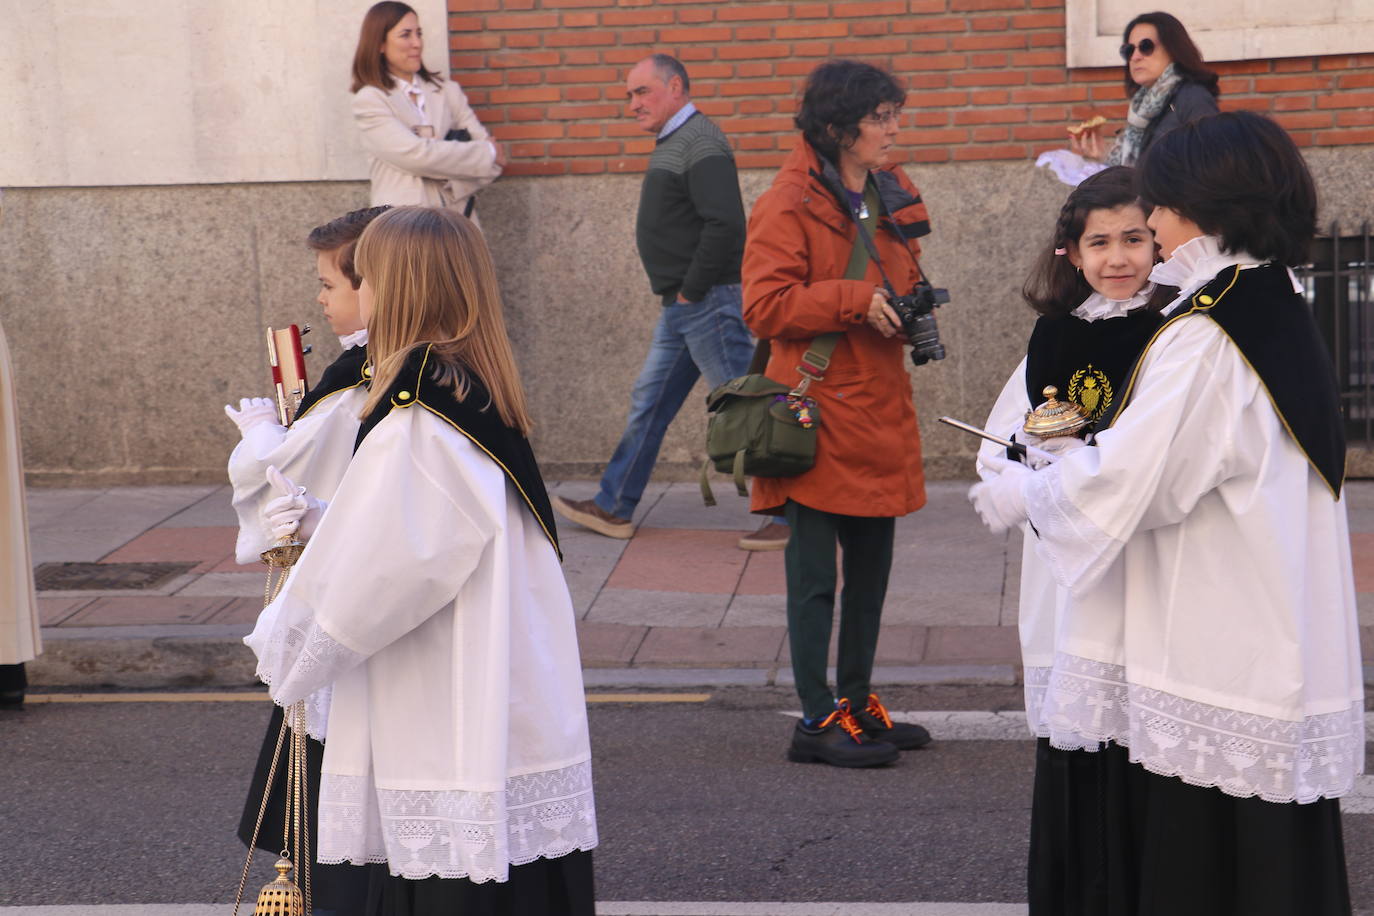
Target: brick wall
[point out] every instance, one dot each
(986, 78)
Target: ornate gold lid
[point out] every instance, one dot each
(1055, 417)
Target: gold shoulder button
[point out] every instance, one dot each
(403, 396)
(367, 371)
(1205, 299)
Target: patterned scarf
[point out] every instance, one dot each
(1146, 105)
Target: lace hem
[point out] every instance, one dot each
(1081, 702)
(455, 833)
(1077, 552)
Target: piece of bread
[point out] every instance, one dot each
(1092, 123)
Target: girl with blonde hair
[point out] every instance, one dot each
(430, 596)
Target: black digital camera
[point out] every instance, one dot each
(917, 313)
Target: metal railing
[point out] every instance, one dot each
(1339, 287)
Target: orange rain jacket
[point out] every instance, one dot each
(868, 453)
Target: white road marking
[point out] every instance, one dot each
(975, 725)
(261, 697)
(605, 908)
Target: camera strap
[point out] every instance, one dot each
(872, 248)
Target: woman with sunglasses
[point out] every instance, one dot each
(1167, 81)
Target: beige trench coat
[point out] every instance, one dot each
(19, 639)
(407, 169)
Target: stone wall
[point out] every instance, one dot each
(134, 314)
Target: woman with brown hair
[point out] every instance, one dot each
(424, 144)
(808, 279)
(1168, 84)
(430, 597)
(1167, 81)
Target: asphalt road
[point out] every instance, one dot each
(137, 802)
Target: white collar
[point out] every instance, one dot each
(1097, 306)
(356, 339)
(1194, 263)
(677, 120)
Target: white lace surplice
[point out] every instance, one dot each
(1047, 613)
(431, 600)
(1232, 659)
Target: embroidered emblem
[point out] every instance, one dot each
(1090, 389)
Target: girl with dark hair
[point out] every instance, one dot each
(1197, 732)
(1168, 84)
(1097, 309)
(424, 144)
(809, 280)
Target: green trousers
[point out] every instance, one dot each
(866, 550)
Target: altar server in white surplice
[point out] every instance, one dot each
(314, 452)
(1201, 731)
(430, 596)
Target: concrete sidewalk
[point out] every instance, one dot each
(677, 605)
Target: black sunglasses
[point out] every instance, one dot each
(1147, 47)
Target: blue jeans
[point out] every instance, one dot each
(691, 340)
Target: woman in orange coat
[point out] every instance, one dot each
(806, 273)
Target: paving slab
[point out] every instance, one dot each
(228, 584)
(131, 508)
(925, 675)
(588, 561)
(1364, 605)
(76, 545)
(681, 560)
(658, 608)
(676, 677)
(208, 546)
(586, 489)
(764, 574)
(976, 644)
(901, 645)
(609, 645)
(238, 611)
(702, 647)
(1011, 580)
(145, 610)
(756, 611)
(681, 506)
(1362, 556)
(213, 510)
(53, 611)
(47, 506)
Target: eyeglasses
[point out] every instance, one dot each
(1147, 47)
(883, 118)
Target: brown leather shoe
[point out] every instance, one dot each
(772, 536)
(591, 516)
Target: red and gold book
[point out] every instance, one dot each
(287, 357)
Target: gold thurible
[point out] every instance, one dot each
(281, 896)
(1055, 417)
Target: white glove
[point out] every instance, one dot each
(1001, 501)
(251, 413)
(294, 512)
(1059, 446)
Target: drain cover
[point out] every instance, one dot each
(61, 577)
